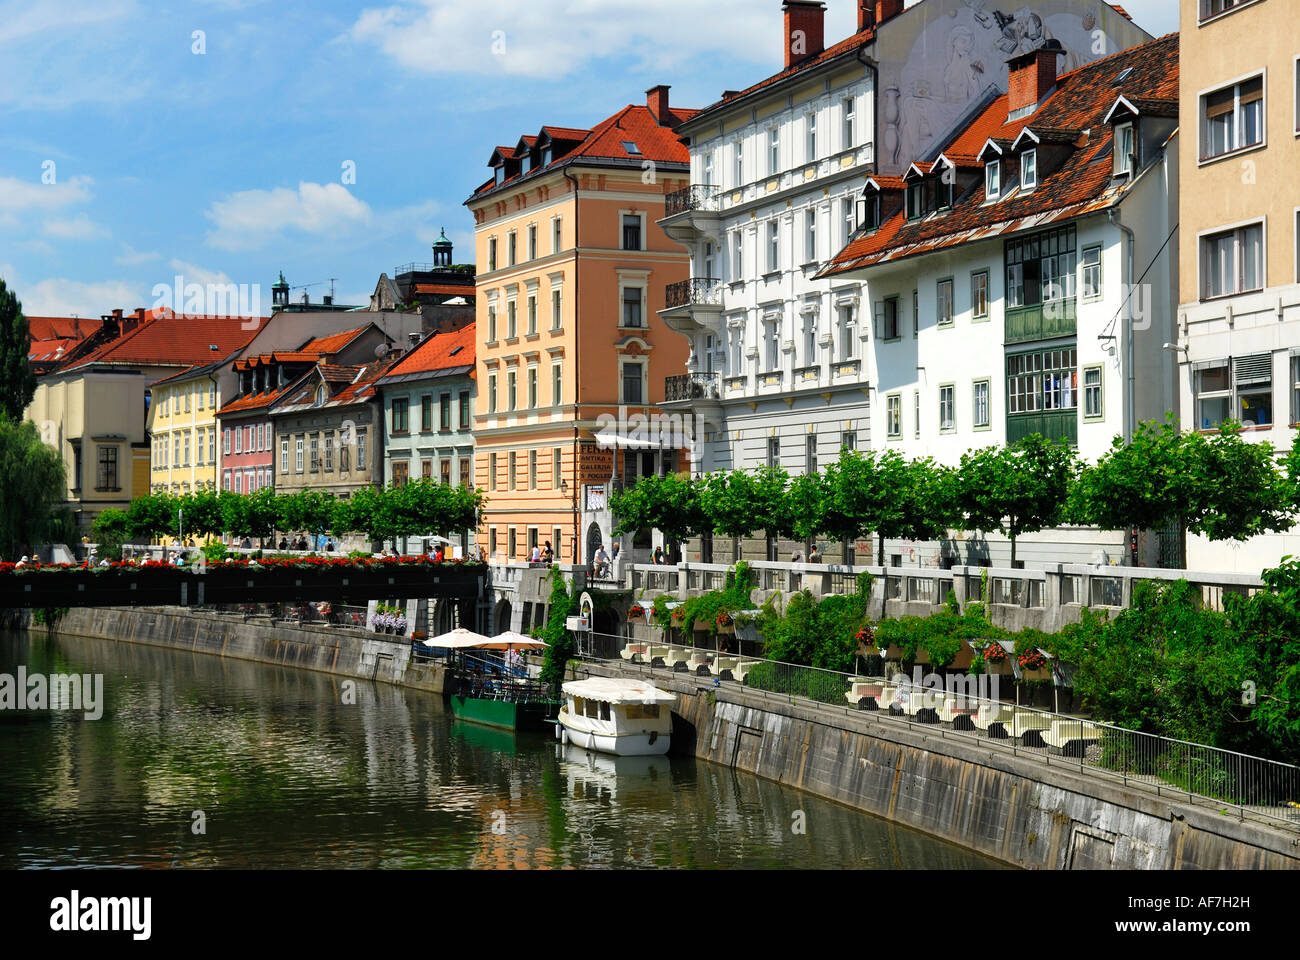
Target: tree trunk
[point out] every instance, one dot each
(1013, 551)
(880, 550)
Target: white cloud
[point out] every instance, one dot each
(61, 297)
(23, 20)
(79, 227)
(132, 257)
(527, 38)
(196, 274)
(18, 194)
(248, 219)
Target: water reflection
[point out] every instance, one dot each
(293, 769)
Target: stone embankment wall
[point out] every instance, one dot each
(1016, 808)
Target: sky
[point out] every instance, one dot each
(227, 140)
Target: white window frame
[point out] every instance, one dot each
(975, 313)
(948, 425)
(557, 383)
(284, 455)
(738, 156)
(848, 328)
(849, 122)
(939, 300)
(810, 234)
(773, 245)
(492, 393)
(643, 365)
(992, 179)
(557, 234)
(1097, 291)
(894, 416)
(1029, 169)
(623, 288)
(1202, 122)
(810, 142)
(1234, 228)
(986, 403)
(557, 308)
(1088, 389)
(299, 450)
(738, 256)
(533, 386)
(1123, 159)
(773, 151)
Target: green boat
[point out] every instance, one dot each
(486, 689)
(507, 714)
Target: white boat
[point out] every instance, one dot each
(628, 718)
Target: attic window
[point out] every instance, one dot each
(1121, 76)
(212, 346)
(915, 201)
(320, 395)
(546, 156)
(501, 175)
(993, 179)
(1124, 149)
(528, 162)
(455, 350)
(1029, 169)
(631, 148)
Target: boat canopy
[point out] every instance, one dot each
(615, 690)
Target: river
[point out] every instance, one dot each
(198, 761)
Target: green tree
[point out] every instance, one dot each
(1017, 489)
(110, 530)
(1240, 490)
(556, 634)
(670, 504)
(33, 482)
(740, 502)
(17, 382)
(153, 516)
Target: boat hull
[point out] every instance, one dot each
(504, 714)
(651, 744)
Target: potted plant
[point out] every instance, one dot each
(1032, 664)
(399, 626)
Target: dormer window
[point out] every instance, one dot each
(871, 212)
(1029, 169)
(528, 162)
(321, 395)
(547, 155)
(501, 175)
(993, 179)
(915, 201)
(1124, 149)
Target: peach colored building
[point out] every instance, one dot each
(573, 269)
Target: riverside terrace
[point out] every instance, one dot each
(151, 583)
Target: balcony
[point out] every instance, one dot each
(685, 301)
(690, 212)
(1041, 321)
(1050, 424)
(691, 386)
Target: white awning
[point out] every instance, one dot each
(614, 690)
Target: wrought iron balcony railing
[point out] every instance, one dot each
(693, 292)
(691, 386)
(694, 197)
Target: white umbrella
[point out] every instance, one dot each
(512, 638)
(458, 638)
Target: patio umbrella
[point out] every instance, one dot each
(456, 639)
(512, 638)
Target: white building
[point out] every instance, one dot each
(781, 370)
(1021, 280)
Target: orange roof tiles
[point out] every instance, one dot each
(175, 339)
(60, 328)
(1080, 184)
(331, 344)
(439, 351)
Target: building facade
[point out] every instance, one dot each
(779, 372)
(1021, 280)
(1238, 336)
(183, 430)
(572, 271)
(428, 401)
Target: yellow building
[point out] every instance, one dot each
(1238, 335)
(183, 431)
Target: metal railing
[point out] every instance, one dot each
(691, 386)
(697, 291)
(698, 196)
(1248, 786)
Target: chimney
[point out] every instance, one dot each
(887, 10)
(139, 314)
(117, 314)
(656, 99)
(805, 30)
(1030, 76)
(414, 338)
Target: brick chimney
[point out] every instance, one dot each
(1031, 76)
(656, 99)
(872, 13)
(805, 30)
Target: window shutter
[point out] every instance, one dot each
(1217, 104)
(1253, 370)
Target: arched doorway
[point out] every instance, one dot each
(501, 622)
(594, 540)
(444, 617)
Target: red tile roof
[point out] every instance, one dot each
(1081, 183)
(60, 328)
(252, 402)
(47, 350)
(175, 340)
(1121, 11)
(605, 140)
(333, 343)
(446, 289)
(438, 351)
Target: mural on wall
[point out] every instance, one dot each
(952, 57)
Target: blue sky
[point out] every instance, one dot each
(227, 165)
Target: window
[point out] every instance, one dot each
(106, 476)
(298, 444)
(361, 450)
(631, 231)
(556, 314)
(809, 339)
(812, 137)
(1092, 408)
(239, 482)
(1029, 169)
(1253, 380)
(735, 351)
(846, 214)
(810, 454)
(465, 471)
(464, 409)
(943, 303)
(979, 295)
(212, 395)
(444, 411)
(532, 388)
(532, 469)
(1092, 273)
(225, 480)
(512, 320)
(400, 417)
(631, 306)
(329, 452)
(1232, 118)
(239, 443)
(916, 413)
(492, 393)
(512, 390)
(774, 151)
(557, 383)
(773, 246)
(199, 399)
(632, 386)
(557, 235)
(706, 164)
(314, 441)
(345, 454)
(1041, 268)
(492, 541)
(1043, 380)
(557, 462)
(284, 454)
(811, 234)
(771, 342)
(492, 324)
(773, 451)
(512, 460)
(980, 417)
(444, 472)
(492, 253)
(948, 409)
(849, 135)
(492, 472)
(915, 200)
(894, 416)
(532, 314)
(1295, 388)
(1212, 8)
(512, 248)
(848, 330)
(401, 472)
(737, 257)
(426, 413)
(887, 319)
(849, 440)
(1124, 149)
(708, 260)
(532, 241)
(992, 179)
(1232, 262)
(186, 438)
(212, 442)
(738, 152)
